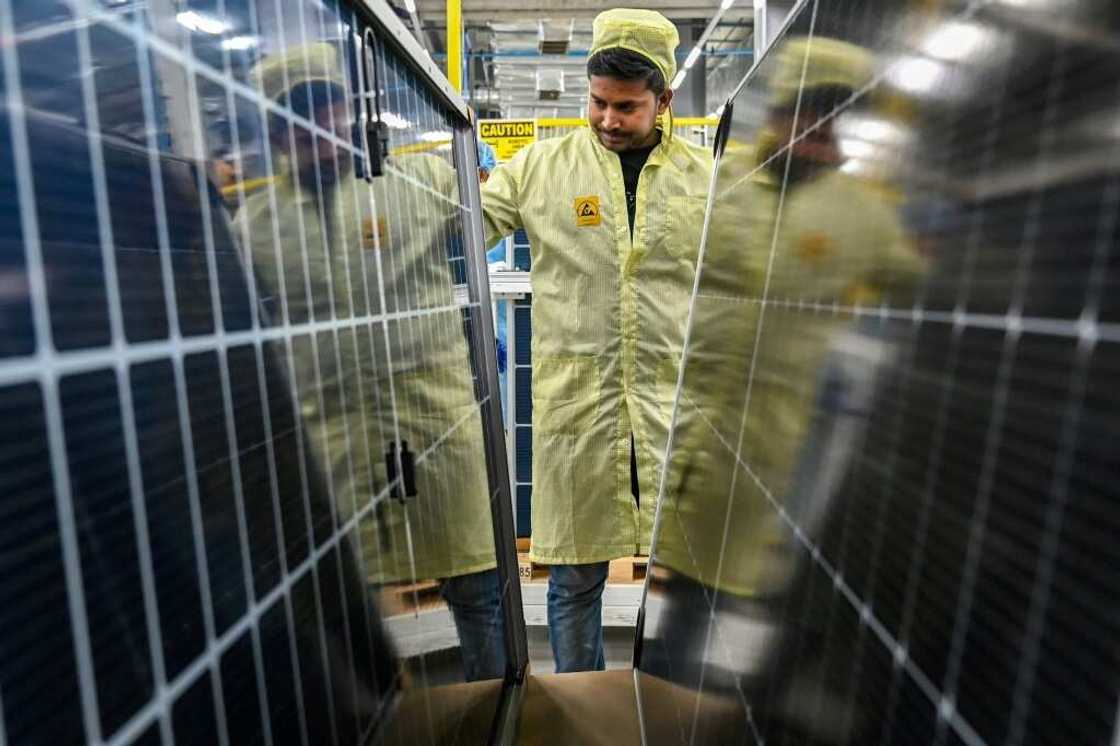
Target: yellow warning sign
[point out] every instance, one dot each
(507, 136)
(587, 211)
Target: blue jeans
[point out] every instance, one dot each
(476, 605)
(575, 616)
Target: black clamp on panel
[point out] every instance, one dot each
(377, 146)
(723, 130)
(376, 133)
(406, 487)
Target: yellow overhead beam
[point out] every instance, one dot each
(677, 122)
(420, 147)
(455, 44)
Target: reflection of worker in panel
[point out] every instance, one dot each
(496, 255)
(487, 161)
(613, 214)
(794, 245)
(329, 225)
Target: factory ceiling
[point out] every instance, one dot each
(511, 73)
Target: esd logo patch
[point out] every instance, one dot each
(587, 211)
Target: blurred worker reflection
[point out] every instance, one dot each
(487, 161)
(224, 174)
(496, 255)
(775, 361)
(613, 214)
(320, 237)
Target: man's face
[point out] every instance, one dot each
(623, 112)
(311, 149)
(814, 145)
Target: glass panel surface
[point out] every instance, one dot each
(883, 512)
(247, 497)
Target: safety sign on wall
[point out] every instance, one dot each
(507, 136)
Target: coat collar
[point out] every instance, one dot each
(286, 184)
(666, 151)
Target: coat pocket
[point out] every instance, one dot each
(566, 392)
(684, 225)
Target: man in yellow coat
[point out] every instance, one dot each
(319, 237)
(775, 351)
(613, 214)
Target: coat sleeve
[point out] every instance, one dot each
(899, 267)
(501, 200)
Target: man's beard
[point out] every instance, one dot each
(624, 141)
(628, 141)
(330, 172)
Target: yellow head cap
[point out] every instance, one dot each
(312, 63)
(644, 32)
(827, 63)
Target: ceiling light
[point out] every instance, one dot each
(692, 57)
(201, 22)
(872, 129)
(726, 4)
(678, 80)
(410, 5)
(856, 149)
(239, 43)
(396, 121)
(875, 130)
(1053, 6)
(956, 41)
(916, 75)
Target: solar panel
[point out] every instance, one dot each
(249, 482)
(891, 474)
